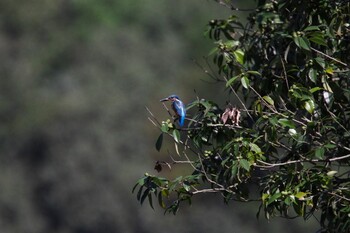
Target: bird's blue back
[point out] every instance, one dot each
(180, 109)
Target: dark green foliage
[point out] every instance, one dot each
(289, 62)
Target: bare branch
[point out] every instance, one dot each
(231, 7)
(327, 56)
(271, 165)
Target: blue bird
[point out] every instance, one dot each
(178, 107)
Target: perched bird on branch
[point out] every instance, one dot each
(178, 107)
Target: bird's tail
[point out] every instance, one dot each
(182, 120)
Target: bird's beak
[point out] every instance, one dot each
(165, 99)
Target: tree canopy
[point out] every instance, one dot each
(282, 139)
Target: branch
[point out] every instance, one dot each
(271, 165)
(213, 190)
(327, 56)
(339, 196)
(231, 7)
(212, 125)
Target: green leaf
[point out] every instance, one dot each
(239, 55)
(176, 135)
(327, 87)
(309, 106)
(253, 72)
(234, 169)
(135, 186)
(160, 200)
(245, 164)
(318, 38)
(320, 61)
(245, 82)
(255, 148)
(319, 153)
(269, 100)
(330, 146)
(232, 80)
(159, 142)
(273, 120)
(311, 28)
(150, 200)
(165, 127)
(144, 195)
(274, 197)
(302, 43)
(312, 75)
(186, 187)
(331, 173)
(300, 195)
(329, 70)
(138, 196)
(312, 90)
(264, 196)
(286, 123)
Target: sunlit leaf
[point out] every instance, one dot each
(253, 72)
(245, 164)
(311, 28)
(255, 148)
(232, 80)
(309, 106)
(312, 75)
(176, 135)
(300, 195)
(239, 55)
(329, 70)
(245, 82)
(316, 36)
(160, 200)
(312, 90)
(302, 42)
(320, 61)
(274, 197)
(292, 132)
(331, 173)
(327, 87)
(269, 100)
(286, 123)
(164, 127)
(264, 196)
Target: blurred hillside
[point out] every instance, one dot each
(74, 135)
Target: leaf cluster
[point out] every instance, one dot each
(288, 68)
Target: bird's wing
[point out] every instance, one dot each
(180, 110)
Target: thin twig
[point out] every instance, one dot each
(216, 190)
(231, 7)
(339, 196)
(285, 72)
(271, 165)
(327, 56)
(153, 117)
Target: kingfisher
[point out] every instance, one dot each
(178, 107)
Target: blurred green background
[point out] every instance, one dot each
(75, 78)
